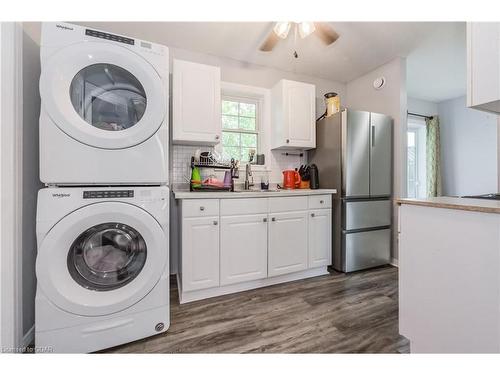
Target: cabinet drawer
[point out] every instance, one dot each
(200, 207)
(367, 214)
(229, 207)
(285, 204)
(320, 201)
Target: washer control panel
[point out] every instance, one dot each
(105, 194)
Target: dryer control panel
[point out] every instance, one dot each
(108, 36)
(104, 194)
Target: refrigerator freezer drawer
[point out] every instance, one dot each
(367, 214)
(366, 249)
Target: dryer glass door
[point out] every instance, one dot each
(103, 95)
(108, 97)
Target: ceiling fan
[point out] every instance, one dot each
(304, 29)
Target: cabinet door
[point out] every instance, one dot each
(200, 253)
(243, 251)
(380, 155)
(483, 69)
(288, 243)
(356, 179)
(320, 238)
(300, 112)
(196, 103)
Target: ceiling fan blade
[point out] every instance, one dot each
(325, 33)
(270, 42)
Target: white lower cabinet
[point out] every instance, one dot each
(320, 239)
(243, 248)
(200, 253)
(230, 245)
(288, 244)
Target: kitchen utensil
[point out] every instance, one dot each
(314, 176)
(304, 184)
(227, 179)
(195, 177)
(291, 179)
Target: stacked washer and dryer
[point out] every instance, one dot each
(102, 221)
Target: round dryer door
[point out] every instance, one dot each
(101, 259)
(103, 95)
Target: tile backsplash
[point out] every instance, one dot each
(181, 159)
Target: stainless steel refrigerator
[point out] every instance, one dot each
(354, 155)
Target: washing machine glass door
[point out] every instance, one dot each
(102, 258)
(103, 95)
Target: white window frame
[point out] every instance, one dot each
(262, 97)
(246, 100)
(417, 126)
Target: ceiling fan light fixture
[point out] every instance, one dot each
(306, 29)
(282, 29)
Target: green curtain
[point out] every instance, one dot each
(433, 157)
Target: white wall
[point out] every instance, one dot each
(422, 107)
(390, 100)
(31, 181)
(468, 149)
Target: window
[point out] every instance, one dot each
(416, 159)
(240, 128)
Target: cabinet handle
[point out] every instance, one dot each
(216, 222)
(273, 219)
(313, 215)
(264, 220)
(287, 141)
(202, 208)
(216, 137)
(373, 136)
(321, 202)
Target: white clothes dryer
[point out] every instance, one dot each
(102, 267)
(104, 108)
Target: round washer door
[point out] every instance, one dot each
(101, 259)
(103, 95)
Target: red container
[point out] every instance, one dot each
(291, 179)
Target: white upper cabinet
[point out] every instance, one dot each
(483, 66)
(294, 112)
(196, 103)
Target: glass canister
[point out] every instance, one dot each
(332, 101)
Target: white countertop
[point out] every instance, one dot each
(186, 194)
(455, 203)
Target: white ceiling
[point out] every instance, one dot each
(436, 70)
(435, 63)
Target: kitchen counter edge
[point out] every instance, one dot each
(186, 194)
(455, 203)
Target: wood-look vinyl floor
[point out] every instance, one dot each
(338, 313)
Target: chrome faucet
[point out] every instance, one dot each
(248, 173)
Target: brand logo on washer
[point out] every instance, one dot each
(64, 27)
(61, 195)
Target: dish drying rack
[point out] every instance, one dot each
(206, 162)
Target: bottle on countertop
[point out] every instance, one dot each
(314, 176)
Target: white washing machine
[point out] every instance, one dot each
(102, 267)
(104, 108)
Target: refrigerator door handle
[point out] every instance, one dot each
(373, 135)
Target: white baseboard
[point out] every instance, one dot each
(394, 262)
(29, 337)
(195, 295)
